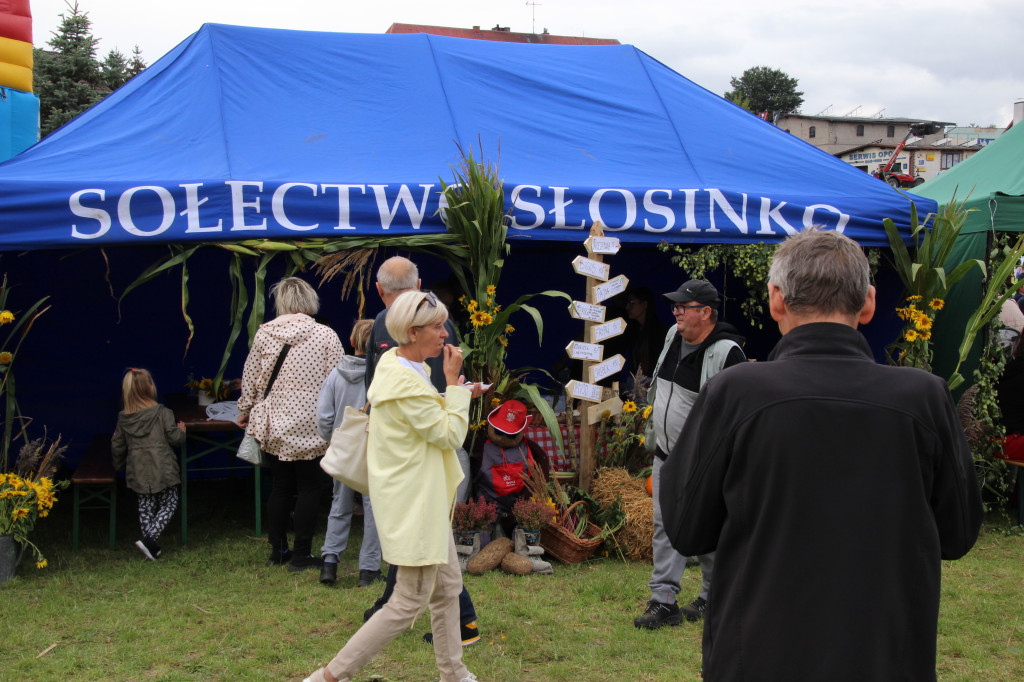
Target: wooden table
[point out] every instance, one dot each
(203, 437)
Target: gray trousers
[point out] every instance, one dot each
(463, 491)
(339, 523)
(668, 563)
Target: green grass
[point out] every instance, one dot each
(212, 611)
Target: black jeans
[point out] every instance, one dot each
(304, 478)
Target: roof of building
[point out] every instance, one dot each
(863, 119)
(500, 34)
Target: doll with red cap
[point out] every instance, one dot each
(506, 456)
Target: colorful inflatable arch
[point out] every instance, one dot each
(19, 108)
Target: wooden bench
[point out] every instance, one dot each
(95, 485)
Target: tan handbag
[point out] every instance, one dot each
(345, 459)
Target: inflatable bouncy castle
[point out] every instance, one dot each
(19, 108)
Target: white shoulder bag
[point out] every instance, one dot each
(345, 459)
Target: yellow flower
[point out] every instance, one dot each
(6, 358)
(936, 304)
(495, 402)
(904, 313)
(480, 318)
(913, 298)
(503, 341)
(923, 322)
(646, 413)
(641, 440)
(911, 335)
(490, 302)
(491, 289)
(509, 329)
(629, 406)
(6, 317)
(472, 306)
(926, 335)
(41, 564)
(19, 513)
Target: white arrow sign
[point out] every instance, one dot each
(609, 367)
(607, 330)
(608, 245)
(588, 392)
(587, 311)
(590, 268)
(578, 350)
(610, 288)
(612, 406)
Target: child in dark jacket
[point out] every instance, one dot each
(144, 440)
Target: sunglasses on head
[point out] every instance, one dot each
(430, 298)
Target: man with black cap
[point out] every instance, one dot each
(696, 349)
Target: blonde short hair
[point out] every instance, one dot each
(360, 335)
(413, 309)
(294, 295)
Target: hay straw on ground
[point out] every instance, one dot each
(636, 535)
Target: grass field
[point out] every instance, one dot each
(212, 611)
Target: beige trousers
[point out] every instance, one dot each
(437, 587)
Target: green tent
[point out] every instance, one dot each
(993, 183)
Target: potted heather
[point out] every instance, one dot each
(471, 517)
(531, 515)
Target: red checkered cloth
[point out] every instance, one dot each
(543, 438)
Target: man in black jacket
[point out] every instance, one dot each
(829, 486)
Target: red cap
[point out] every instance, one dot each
(510, 417)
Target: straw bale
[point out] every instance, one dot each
(636, 535)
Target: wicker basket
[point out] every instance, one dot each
(566, 547)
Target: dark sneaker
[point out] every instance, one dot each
(148, 548)
(470, 634)
(657, 615)
(367, 578)
(694, 611)
(279, 558)
(304, 563)
(329, 573)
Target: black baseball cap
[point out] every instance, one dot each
(696, 290)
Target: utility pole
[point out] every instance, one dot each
(533, 21)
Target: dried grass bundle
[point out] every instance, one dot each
(638, 532)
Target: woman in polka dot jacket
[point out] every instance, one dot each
(285, 423)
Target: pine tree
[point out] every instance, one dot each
(68, 79)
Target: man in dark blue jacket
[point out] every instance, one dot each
(829, 486)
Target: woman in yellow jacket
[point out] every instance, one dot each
(413, 476)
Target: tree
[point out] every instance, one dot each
(69, 79)
(766, 90)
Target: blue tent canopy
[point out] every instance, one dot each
(241, 133)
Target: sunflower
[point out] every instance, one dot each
(646, 413)
(936, 304)
(6, 317)
(503, 341)
(472, 306)
(915, 297)
(509, 329)
(629, 406)
(925, 335)
(6, 358)
(491, 289)
(911, 335)
(495, 402)
(923, 322)
(41, 564)
(481, 319)
(19, 513)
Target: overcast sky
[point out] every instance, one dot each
(943, 60)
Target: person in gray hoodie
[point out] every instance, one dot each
(345, 387)
(143, 442)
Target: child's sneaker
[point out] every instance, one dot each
(149, 548)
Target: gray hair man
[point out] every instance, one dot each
(799, 470)
(696, 349)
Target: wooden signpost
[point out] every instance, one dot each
(600, 286)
